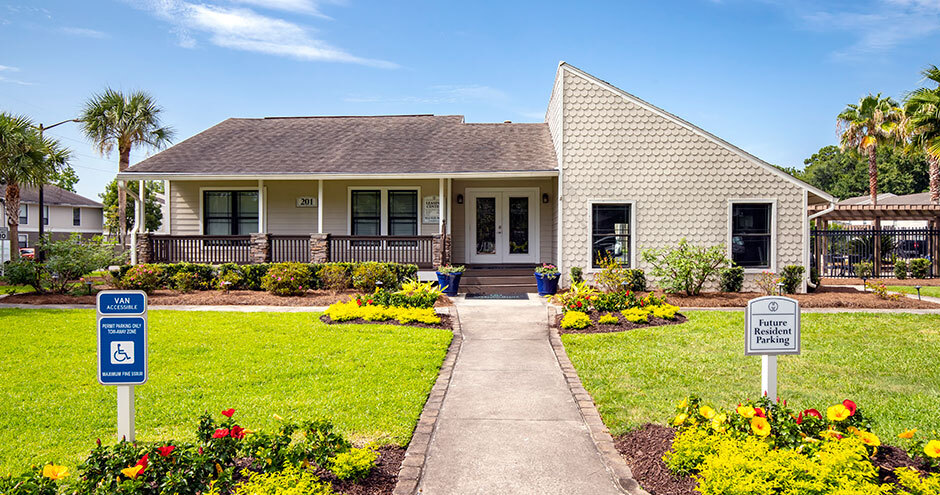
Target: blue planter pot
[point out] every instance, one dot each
(547, 284)
(449, 282)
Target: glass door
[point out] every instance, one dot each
(502, 226)
(486, 230)
(519, 245)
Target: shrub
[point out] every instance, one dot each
(608, 319)
(74, 257)
(369, 310)
(864, 269)
(186, 282)
(355, 464)
(29, 483)
(367, 276)
(919, 267)
(227, 281)
(636, 279)
(767, 282)
(731, 279)
(578, 297)
(253, 276)
(577, 275)
(575, 320)
(287, 279)
(900, 269)
(814, 276)
(413, 294)
(665, 311)
(792, 278)
(685, 268)
(144, 277)
(614, 301)
(289, 481)
(881, 290)
(636, 315)
(914, 483)
(25, 271)
(205, 273)
(334, 277)
(451, 269)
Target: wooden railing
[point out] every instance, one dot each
(212, 249)
(290, 248)
(417, 250)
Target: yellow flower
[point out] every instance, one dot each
(932, 448)
(684, 404)
(907, 434)
(746, 411)
(718, 422)
(868, 438)
(831, 434)
(132, 471)
(55, 472)
(760, 426)
(707, 412)
(838, 412)
(680, 419)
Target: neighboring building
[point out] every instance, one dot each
(606, 175)
(911, 200)
(66, 212)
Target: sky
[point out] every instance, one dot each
(767, 75)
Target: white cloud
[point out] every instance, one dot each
(310, 7)
(245, 29)
(8, 68)
(85, 32)
(877, 27)
(5, 79)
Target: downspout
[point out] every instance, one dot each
(137, 209)
(832, 207)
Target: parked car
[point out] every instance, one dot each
(27, 253)
(912, 248)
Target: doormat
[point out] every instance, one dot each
(515, 297)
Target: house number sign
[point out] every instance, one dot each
(306, 202)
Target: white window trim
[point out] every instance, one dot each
(383, 205)
(773, 231)
(589, 267)
(230, 188)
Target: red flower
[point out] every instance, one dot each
(370, 301)
(228, 413)
(799, 419)
(143, 461)
(220, 433)
(579, 304)
(850, 406)
(200, 451)
(238, 432)
(166, 450)
(759, 412)
(812, 412)
(359, 302)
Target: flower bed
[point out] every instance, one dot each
(606, 322)
(412, 305)
(585, 310)
(226, 459)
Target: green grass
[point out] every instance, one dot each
(887, 363)
(932, 291)
(15, 289)
(370, 380)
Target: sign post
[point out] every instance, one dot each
(122, 350)
(4, 237)
(771, 328)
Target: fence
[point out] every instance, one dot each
(290, 248)
(837, 253)
(417, 250)
(212, 249)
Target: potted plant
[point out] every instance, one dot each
(448, 277)
(546, 277)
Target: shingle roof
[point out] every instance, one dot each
(357, 145)
(51, 195)
(915, 199)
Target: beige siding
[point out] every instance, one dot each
(60, 220)
(282, 213)
(681, 181)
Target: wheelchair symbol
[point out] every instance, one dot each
(122, 352)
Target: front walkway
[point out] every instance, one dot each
(508, 423)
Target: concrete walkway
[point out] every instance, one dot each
(508, 423)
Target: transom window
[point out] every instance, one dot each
(375, 212)
(230, 212)
(610, 233)
(751, 236)
(77, 217)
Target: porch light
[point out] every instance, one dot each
(779, 288)
(460, 199)
(545, 198)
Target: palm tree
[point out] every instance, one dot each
(26, 159)
(922, 107)
(111, 118)
(874, 121)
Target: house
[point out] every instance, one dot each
(605, 175)
(65, 213)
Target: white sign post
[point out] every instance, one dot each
(771, 327)
(4, 237)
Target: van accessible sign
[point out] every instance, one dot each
(772, 326)
(122, 337)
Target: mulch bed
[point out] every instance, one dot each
(445, 322)
(824, 297)
(923, 282)
(644, 447)
(207, 298)
(382, 479)
(623, 326)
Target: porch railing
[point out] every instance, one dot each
(417, 250)
(212, 249)
(837, 253)
(290, 248)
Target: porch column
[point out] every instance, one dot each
(262, 224)
(144, 253)
(450, 192)
(320, 203)
(821, 229)
(440, 206)
(319, 248)
(140, 212)
(259, 248)
(876, 240)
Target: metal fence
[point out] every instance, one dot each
(837, 253)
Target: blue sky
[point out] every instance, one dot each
(767, 75)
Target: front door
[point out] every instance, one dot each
(502, 225)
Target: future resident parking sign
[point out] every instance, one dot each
(772, 326)
(122, 337)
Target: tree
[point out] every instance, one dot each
(873, 122)
(26, 159)
(66, 178)
(844, 174)
(111, 118)
(153, 213)
(922, 107)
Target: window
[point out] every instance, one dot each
(23, 240)
(24, 214)
(230, 212)
(366, 212)
(402, 213)
(383, 211)
(76, 217)
(610, 233)
(45, 214)
(751, 237)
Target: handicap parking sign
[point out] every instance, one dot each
(122, 337)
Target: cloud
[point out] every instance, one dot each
(244, 29)
(84, 32)
(5, 79)
(309, 7)
(878, 27)
(7, 68)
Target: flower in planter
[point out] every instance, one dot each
(166, 450)
(760, 426)
(932, 449)
(838, 412)
(55, 472)
(228, 413)
(907, 434)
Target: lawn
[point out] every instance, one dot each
(932, 291)
(370, 380)
(887, 363)
(15, 289)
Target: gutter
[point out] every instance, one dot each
(832, 207)
(137, 209)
